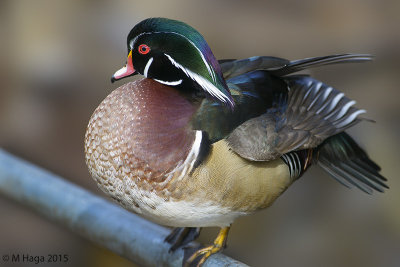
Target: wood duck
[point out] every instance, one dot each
(199, 142)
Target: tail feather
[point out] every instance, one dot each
(280, 67)
(233, 68)
(301, 64)
(349, 164)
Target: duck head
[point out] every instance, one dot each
(174, 54)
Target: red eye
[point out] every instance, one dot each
(143, 49)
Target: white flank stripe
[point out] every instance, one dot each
(204, 83)
(146, 69)
(187, 165)
(173, 83)
(295, 167)
(194, 152)
(298, 164)
(288, 161)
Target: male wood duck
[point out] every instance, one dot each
(199, 142)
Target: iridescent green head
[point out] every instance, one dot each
(175, 54)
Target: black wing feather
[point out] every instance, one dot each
(349, 164)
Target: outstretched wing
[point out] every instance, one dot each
(259, 87)
(313, 112)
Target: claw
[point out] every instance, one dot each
(181, 236)
(204, 253)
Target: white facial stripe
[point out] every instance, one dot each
(132, 43)
(202, 56)
(204, 83)
(146, 69)
(173, 83)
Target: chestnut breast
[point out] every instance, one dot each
(142, 127)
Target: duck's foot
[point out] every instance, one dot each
(181, 236)
(204, 253)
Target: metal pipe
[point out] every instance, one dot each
(91, 216)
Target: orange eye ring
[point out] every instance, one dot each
(143, 49)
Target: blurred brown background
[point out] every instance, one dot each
(56, 60)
